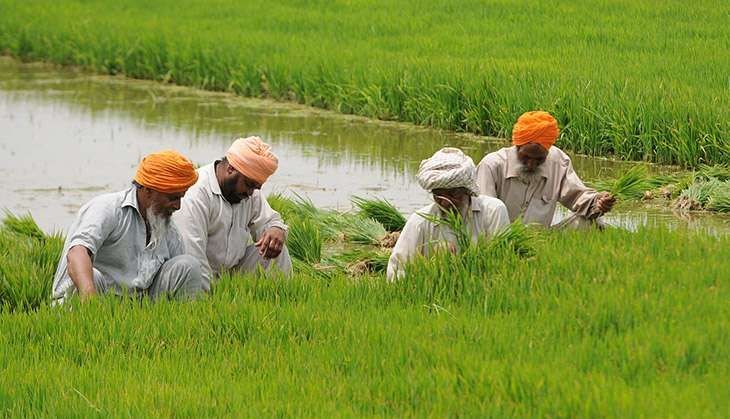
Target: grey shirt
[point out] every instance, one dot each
(486, 216)
(534, 196)
(111, 227)
(217, 232)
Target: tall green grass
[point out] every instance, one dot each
(582, 327)
(635, 80)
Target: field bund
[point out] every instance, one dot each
(632, 80)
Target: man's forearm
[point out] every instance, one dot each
(80, 270)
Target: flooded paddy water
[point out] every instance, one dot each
(66, 136)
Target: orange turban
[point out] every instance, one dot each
(252, 158)
(535, 127)
(166, 171)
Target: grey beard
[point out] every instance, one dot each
(158, 226)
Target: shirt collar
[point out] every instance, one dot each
(130, 198)
(514, 166)
(212, 178)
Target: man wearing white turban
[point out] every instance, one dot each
(450, 176)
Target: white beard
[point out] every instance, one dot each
(158, 226)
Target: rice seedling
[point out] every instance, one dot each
(630, 185)
(581, 328)
(719, 199)
(283, 205)
(29, 260)
(363, 260)
(304, 241)
(718, 171)
(362, 230)
(696, 196)
(382, 211)
(23, 225)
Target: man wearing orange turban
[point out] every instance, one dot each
(226, 222)
(124, 243)
(533, 175)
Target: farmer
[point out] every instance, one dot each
(124, 242)
(533, 175)
(450, 176)
(225, 221)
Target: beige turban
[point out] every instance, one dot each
(449, 168)
(252, 158)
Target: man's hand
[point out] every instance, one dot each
(271, 243)
(605, 202)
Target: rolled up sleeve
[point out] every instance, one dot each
(263, 217)
(574, 195)
(96, 223)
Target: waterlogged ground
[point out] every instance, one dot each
(66, 136)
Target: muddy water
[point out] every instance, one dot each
(66, 136)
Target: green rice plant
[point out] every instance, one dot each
(718, 171)
(454, 222)
(361, 230)
(672, 109)
(582, 328)
(719, 199)
(284, 205)
(697, 195)
(358, 261)
(23, 225)
(29, 260)
(517, 238)
(630, 185)
(304, 241)
(382, 211)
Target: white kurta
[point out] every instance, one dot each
(221, 234)
(486, 216)
(534, 196)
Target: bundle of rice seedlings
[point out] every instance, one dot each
(283, 205)
(363, 260)
(631, 185)
(718, 171)
(362, 230)
(304, 241)
(328, 222)
(696, 196)
(24, 225)
(719, 199)
(518, 238)
(29, 260)
(452, 220)
(382, 211)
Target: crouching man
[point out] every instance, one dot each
(450, 176)
(124, 243)
(225, 221)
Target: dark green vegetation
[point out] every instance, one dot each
(635, 80)
(592, 324)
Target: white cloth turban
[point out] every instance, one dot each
(449, 168)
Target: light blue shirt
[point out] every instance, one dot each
(113, 230)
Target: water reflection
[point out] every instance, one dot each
(66, 137)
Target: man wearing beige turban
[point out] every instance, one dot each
(124, 243)
(450, 176)
(225, 221)
(533, 175)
